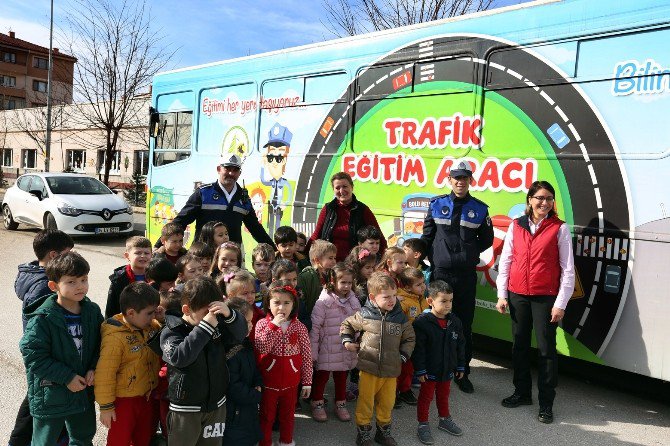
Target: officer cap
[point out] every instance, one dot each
(279, 136)
(461, 169)
(231, 160)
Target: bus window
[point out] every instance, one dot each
(325, 88)
(174, 127)
(282, 93)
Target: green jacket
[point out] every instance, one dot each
(52, 359)
(309, 283)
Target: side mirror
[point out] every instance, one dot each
(154, 122)
(37, 193)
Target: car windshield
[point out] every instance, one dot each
(77, 186)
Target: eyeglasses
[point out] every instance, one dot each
(277, 158)
(540, 198)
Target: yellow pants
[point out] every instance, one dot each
(375, 393)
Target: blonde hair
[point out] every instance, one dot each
(388, 256)
(380, 281)
(321, 248)
(230, 281)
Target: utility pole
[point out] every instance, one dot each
(47, 156)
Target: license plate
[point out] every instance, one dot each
(106, 230)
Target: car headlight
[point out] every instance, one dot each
(68, 210)
(129, 209)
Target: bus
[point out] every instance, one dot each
(413, 208)
(574, 92)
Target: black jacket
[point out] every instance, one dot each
(31, 283)
(242, 421)
(119, 280)
(196, 360)
(217, 208)
(439, 351)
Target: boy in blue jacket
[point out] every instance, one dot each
(438, 356)
(60, 349)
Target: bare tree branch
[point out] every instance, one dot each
(118, 54)
(351, 17)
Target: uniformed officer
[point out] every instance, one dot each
(224, 200)
(457, 229)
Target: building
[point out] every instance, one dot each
(24, 72)
(75, 146)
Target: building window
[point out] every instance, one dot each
(115, 169)
(29, 158)
(76, 160)
(141, 164)
(11, 103)
(41, 63)
(40, 86)
(7, 158)
(7, 81)
(9, 57)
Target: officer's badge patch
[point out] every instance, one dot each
(215, 196)
(445, 210)
(471, 214)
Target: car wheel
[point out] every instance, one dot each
(50, 222)
(8, 219)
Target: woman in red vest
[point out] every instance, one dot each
(536, 277)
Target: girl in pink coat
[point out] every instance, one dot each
(336, 303)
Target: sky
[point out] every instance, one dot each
(200, 31)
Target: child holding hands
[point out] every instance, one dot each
(285, 360)
(439, 354)
(336, 303)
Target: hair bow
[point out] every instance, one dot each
(290, 289)
(363, 253)
(228, 277)
(229, 245)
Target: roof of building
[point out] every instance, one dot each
(9, 40)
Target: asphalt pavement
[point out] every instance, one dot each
(585, 413)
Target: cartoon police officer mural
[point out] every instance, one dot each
(457, 229)
(276, 155)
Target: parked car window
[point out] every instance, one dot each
(38, 184)
(23, 182)
(77, 186)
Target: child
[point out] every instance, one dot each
(244, 392)
(31, 284)
(393, 262)
(170, 303)
(363, 263)
(370, 238)
(287, 271)
(127, 371)
(286, 240)
(240, 284)
(172, 239)
(188, 267)
(285, 360)
(214, 234)
(416, 251)
(161, 274)
(410, 295)
(440, 350)
(60, 348)
(312, 279)
(387, 340)
(204, 253)
(262, 258)
(336, 303)
(194, 350)
(138, 255)
(228, 255)
(302, 243)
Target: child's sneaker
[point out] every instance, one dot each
(383, 436)
(407, 398)
(341, 411)
(448, 425)
(318, 411)
(423, 432)
(364, 436)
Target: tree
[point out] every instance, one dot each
(351, 17)
(118, 54)
(136, 195)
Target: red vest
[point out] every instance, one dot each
(535, 269)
